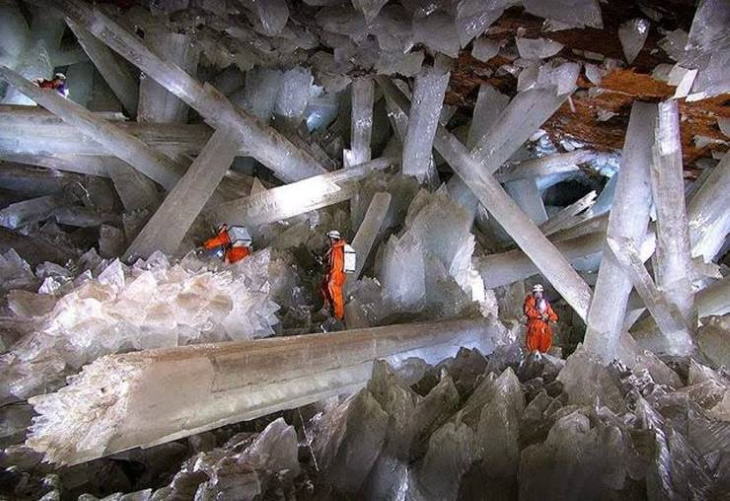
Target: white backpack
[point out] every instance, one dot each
(350, 259)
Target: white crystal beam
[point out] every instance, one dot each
(674, 267)
(523, 231)
(135, 190)
(487, 109)
(124, 401)
(368, 231)
(559, 163)
(116, 75)
(668, 318)
(508, 267)
(264, 143)
(525, 193)
(714, 299)
(629, 218)
(519, 120)
(169, 224)
(362, 120)
(709, 213)
(292, 199)
(156, 104)
(151, 163)
(568, 216)
(90, 165)
(423, 118)
(34, 131)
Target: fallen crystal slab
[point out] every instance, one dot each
(135, 379)
(273, 15)
(29, 211)
(292, 199)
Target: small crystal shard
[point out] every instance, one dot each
(485, 49)
(632, 35)
(537, 48)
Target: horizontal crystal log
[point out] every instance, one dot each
(125, 401)
(292, 199)
(153, 164)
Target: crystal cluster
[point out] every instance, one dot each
(111, 307)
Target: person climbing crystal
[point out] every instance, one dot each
(539, 314)
(57, 83)
(334, 280)
(230, 244)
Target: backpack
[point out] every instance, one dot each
(350, 259)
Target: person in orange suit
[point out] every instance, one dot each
(237, 251)
(539, 314)
(222, 245)
(334, 280)
(57, 83)
(221, 240)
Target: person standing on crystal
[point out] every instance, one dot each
(57, 83)
(539, 314)
(334, 280)
(231, 245)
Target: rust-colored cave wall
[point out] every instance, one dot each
(616, 91)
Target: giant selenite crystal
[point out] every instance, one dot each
(628, 219)
(362, 121)
(247, 379)
(264, 143)
(156, 104)
(292, 199)
(128, 148)
(526, 112)
(435, 248)
(552, 264)
(149, 305)
(673, 267)
(116, 75)
(709, 219)
(369, 229)
(426, 103)
(168, 226)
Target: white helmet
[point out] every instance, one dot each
(241, 243)
(334, 234)
(537, 288)
(60, 76)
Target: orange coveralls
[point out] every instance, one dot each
(539, 333)
(334, 280)
(235, 254)
(222, 239)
